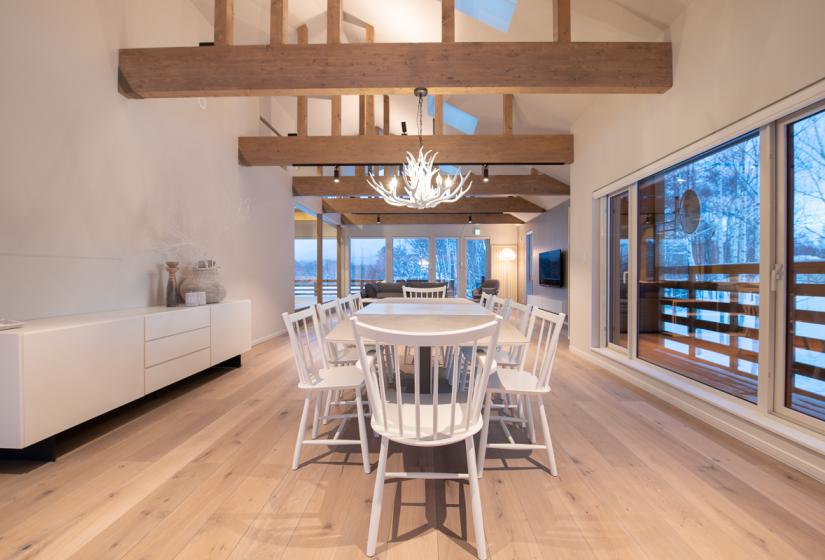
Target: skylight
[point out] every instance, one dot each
(496, 13)
(455, 117)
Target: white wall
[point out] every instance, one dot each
(730, 59)
(549, 233)
(98, 190)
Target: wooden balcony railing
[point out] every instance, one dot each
(715, 309)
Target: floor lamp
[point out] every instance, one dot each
(507, 255)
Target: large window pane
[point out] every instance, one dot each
(446, 262)
(699, 268)
(306, 259)
(368, 261)
(330, 261)
(618, 255)
(410, 258)
(478, 263)
(805, 380)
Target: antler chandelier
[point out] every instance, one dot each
(419, 189)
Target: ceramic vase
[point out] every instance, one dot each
(172, 284)
(204, 280)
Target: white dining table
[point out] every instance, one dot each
(419, 316)
(425, 316)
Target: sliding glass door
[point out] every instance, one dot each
(477, 259)
(698, 268)
(805, 299)
(446, 263)
(618, 269)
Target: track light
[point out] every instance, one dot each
(403, 128)
(470, 219)
(378, 219)
(486, 171)
(336, 178)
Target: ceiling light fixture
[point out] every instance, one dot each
(336, 178)
(424, 187)
(470, 219)
(486, 173)
(378, 219)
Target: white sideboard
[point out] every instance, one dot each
(57, 373)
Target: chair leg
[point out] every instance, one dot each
(377, 497)
(362, 430)
(485, 432)
(317, 414)
(521, 408)
(551, 457)
(531, 425)
(328, 398)
(475, 500)
(296, 458)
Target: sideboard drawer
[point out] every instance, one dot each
(175, 346)
(176, 321)
(167, 373)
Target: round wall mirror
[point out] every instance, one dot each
(690, 211)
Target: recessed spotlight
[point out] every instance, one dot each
(486, 173)
(336, 177)
(378, 219)
(470, 219)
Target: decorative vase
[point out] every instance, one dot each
(172, 284)
(204, 279)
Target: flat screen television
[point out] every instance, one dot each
(551, 268)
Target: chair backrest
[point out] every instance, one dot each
(499, 306)
(347, 305)
(543, 331)
(438, 292)
(485, 300)
(357, 301)
(307, 346)
(328, 315)
(404, 413)
(518, 314)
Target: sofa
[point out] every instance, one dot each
(381, 290)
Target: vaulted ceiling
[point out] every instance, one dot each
(419, 21)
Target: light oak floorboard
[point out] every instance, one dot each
(202, 471)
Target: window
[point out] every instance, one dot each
(805, 346)
(496, 13)
(477, 256)
(410, 258)
(446, 262)
(368, 261)
(618, 268)
(698, 268)
(307, 286)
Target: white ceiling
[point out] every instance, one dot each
(419, 21)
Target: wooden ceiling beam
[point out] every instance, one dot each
(396, 68)
(448, 21)
(467, 205)
(561, 21)
(224, 22)
(537, 185)
(522, 149)
(278, 18)
(427, 218)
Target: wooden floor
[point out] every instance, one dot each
(202, 472)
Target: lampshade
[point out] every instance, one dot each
(507, 254)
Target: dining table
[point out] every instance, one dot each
(425, 315)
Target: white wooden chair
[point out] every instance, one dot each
(330, 314)
(519, 315)
(316, 377)
(348, 305)
(499, 306)
(426, 420)
(357, 301)
(530, 381)
(426, 293)
(485, 300)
